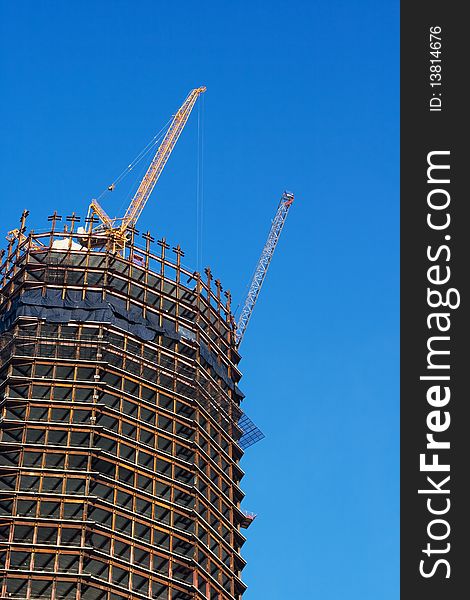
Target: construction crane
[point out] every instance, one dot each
(117, 229)
(263, 264)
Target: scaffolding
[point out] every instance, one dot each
(121, 430)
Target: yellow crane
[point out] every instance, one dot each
(116, 229)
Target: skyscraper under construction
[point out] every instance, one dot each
(121, 430)
(120, 425)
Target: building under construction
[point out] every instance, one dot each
(121, 430)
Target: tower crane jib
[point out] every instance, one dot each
(263, 264)
(154, 171)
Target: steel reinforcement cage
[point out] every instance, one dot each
(120, 423)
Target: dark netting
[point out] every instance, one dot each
(251, 433)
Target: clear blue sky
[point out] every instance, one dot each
(301, 95)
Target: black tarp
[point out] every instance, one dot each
(53, 308)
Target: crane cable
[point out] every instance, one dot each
(142, 154)
(200, 185)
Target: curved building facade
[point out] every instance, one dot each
(120, 423)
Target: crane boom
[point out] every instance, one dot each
(263, 264)
(154, 171)
(160, 159)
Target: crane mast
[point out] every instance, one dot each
(263, 264)
(154, 171)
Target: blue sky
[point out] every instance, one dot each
(301, 95)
